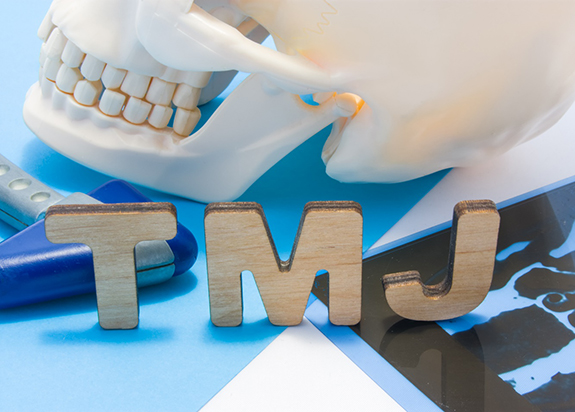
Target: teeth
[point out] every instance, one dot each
(51, 68)
(72, 56)
(112, 102)
(46, 27)
(92, 68)
(112, 77)
(137, 110)
(43, 55)
(55, 44)
(87, 92)
(186, 96)
(172, 75)
(198, 79)
(185, 121)
(160, 92)
(136, 84)
(85, 76)
(160, 116)
(194, 79)
(67, 78)
(45, 85)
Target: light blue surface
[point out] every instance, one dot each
(54, 356)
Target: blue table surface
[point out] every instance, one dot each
(54, 356)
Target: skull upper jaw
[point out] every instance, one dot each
(432, 100)
(119, 134)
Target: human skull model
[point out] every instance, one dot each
(411, 86)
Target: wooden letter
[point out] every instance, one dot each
(469, 274)
(112, 232)
(329, 238)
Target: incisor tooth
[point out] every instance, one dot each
(112, 102)
(72, 56)
(92, 68)
(46, 27)
(112, 77)
(51, 68)
(67, 78)
(187, 96)
(136, 84)
(137, 110)
(55, 44)
(160, 92)
(160, 116)
(87, 92)
(186, 120)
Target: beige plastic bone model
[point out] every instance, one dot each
(412, 86)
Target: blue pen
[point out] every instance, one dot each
(32, 269)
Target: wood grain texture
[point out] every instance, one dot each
(471, 259)
(112, 232)
(329, 238)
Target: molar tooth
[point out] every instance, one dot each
(160, 92)
(137, 110)
(186, 120)
(112, 77)
(51, 67)
(160, 116)
(56, 43)
(87, 92)
(67, 78)
(46, 27)
(172, 75)
(72, 56)
(136, 84)
(112, 102)
(92, 68)
(197, 79)
(187, 96)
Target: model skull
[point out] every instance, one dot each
(411, 87)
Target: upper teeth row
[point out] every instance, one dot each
(136, 97)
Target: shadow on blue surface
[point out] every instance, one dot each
(97, 335)
(178, 286)
(245, 333)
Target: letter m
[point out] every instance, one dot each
(329, 238)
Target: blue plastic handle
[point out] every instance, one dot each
(32, 269)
